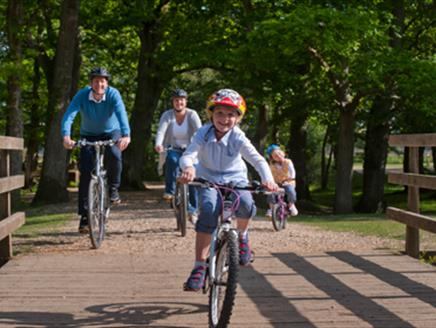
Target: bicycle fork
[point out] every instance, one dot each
(220, 235)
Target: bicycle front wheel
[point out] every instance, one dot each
(181, 207)
(96, 212)
(278, 217)
(223, 288)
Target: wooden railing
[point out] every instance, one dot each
(413, 220)
(8, 222)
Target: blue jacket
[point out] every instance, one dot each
(97, 118)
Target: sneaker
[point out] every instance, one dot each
(195, 281)
(115, 197)
(167, 197)
(268, 213)
(293, 210)
(193, 218)
(83, 225)
(245, 254)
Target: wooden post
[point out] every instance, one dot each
(412, 234)
(5, 207)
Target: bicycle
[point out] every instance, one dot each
(223, 262)
(179, 202)
(98, 196)
(280, 211)
(180, 206)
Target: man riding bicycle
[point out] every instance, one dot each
(103, 117)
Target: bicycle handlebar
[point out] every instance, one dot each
(84, 142)
(255, 186)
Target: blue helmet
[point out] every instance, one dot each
(271, 148)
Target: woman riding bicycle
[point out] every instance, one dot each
(176, 128)
(220, 147)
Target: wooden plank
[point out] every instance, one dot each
(11, 223)
(413, 179)
(411, 219)
(11, 183)
(413, 140)
(5, 249)
(11, 143)
(412, 233)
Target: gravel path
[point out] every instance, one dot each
(144, 224)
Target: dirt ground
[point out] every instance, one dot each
(145, 224)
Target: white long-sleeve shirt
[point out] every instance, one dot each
(223, 161)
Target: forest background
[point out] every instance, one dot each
(328, 80)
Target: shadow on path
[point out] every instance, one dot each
(119, 314)
(363, 307)
(396, 279)
(280, 303)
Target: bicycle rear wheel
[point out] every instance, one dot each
(181, 207)
(96, 212)
(278, 217)
(223, 288)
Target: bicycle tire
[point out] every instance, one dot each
(96, 216)
(181, 207)
(222, 291)
(107, 201)
(278, 217)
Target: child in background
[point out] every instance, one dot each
(220, 147)
(283, 171)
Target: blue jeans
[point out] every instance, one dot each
(290, 195)
(210, 208)
(171, 173)
(112, 163)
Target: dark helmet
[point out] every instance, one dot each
(99, 71)
(179, 93)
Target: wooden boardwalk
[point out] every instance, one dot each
(334, 289)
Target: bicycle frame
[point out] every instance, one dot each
(228, 208)
(280, 211)
(98, 213)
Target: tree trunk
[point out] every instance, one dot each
(344, 163)
(53, 185)
(150, 86)
(261, 128)
(326, 162)
(297, 146)
(376, 150)
(377, 133)
(14, 123)
(32, 129)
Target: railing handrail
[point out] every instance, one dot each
(411, 217)
(8, 222)
(11, 143)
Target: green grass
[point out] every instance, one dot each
(35, 224)
(362, 224)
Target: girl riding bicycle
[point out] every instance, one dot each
(283, 171)
(220, 147)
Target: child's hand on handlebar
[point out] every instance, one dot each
(187, 175)
(270, 186)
